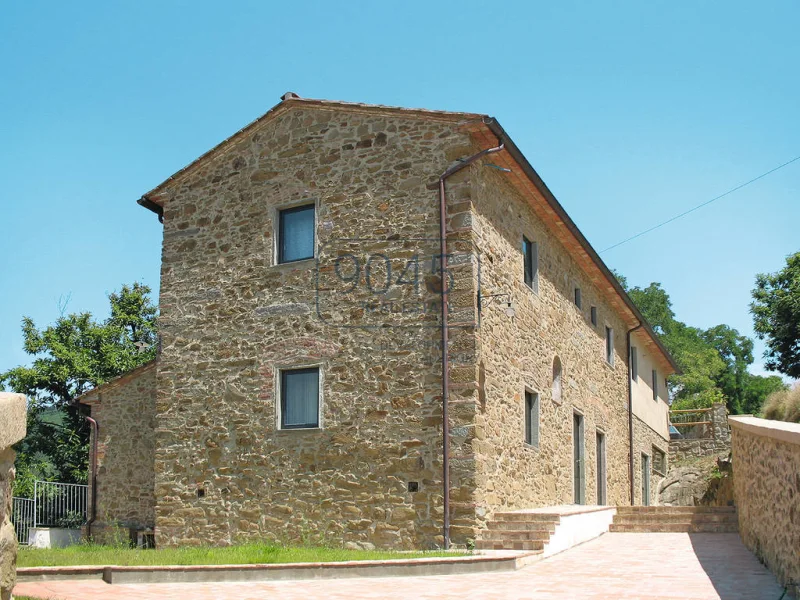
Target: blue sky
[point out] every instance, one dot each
(630, 111)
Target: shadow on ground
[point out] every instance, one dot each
(731, 566)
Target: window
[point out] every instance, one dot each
(296, 233)
(601, 467)
(578, 297)
(594, 316)
(634, 364)
(532, 418)
(655, 384)
(645, 480)
(530, 253)
(579, 462)
(610, 346)
(300, 398)
(557, 380)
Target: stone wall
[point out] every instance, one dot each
(231, 318)
(766, 463)
(648, 441)
(13, 409)
(716, 438)
(125, 413)
(518, 354)
(370, 475)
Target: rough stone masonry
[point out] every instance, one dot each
(13, 409)
(365, 312)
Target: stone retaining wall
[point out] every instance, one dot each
(12, 430)
(718, 439)
(766, 458)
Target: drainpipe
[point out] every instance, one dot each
(630, 414)
(93, 475)
(445, 340)
(92, 469)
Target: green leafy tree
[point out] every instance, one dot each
(776, 316)
(757, 390)
(714, 362)
(71, 356)
(654, 303)
(701, 366)
(737, 352)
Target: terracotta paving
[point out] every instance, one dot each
(649, 566)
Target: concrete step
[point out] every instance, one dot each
(531, 545)
(677, 518)
(527, 517)
(518, 525)
(675, 509)
(498, 535)
(675, 528)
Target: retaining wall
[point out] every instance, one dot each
(766, 461)
(717, 438)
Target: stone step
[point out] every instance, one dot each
(675, 528)
(499, 535)
(531, 545)
(527, 525)
(675, 509)
(677, 518)
(527, 517)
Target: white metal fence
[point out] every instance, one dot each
(53, 505)
(22, 512)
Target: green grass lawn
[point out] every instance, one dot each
(89, 554)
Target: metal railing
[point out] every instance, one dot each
(53, 505)
(22, 512)
(59, 502)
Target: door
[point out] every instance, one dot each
(579, 466)
(601, 468)
(645, 480)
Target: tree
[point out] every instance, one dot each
(714, 362)
(776, 316)
(737, 353)
(71, 356)
(758, 390)
(654, 303)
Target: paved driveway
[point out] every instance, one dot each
(665, 566)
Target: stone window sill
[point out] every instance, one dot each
(528, 446)
(299, 264)
(298, 429)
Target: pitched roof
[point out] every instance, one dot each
(92, 395)
(486, 131)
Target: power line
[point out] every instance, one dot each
(683, 214)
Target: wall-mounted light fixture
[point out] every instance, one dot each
(504, 299)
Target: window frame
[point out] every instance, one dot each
(609, 346)
(593, 316)
(557, 377)
(279, 252)
(577, 297)
(654, 383)
(530, 262)
(281, 397)
(634, 364)
(601, 468)
(532, 409)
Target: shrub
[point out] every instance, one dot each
(783, 405)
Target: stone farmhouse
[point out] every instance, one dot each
(310, 330)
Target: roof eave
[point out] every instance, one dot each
(497, 129)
